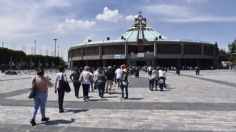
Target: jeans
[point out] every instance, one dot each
(124, 87)
(40, 100)
(61, 94)
(101, 89)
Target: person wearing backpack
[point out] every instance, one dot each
(60, 89)
(41, 94)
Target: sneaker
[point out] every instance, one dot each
(45, 119)
(32, 122)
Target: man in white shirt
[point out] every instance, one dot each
(162, 76)
(119, 74)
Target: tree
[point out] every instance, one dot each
(232, 52)
(18, 57)
(223, 55)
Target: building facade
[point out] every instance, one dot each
(142, 45)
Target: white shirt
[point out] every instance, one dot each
(119, 73)
(86, 77)
(161, 73)
(59, 77)
(149, 68)
(95, 76)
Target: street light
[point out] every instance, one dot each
(55, 48)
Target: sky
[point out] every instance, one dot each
(26, 22)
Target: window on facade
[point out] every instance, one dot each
(91, 51)
(139, 49)
(168, 49)
(76, 52)
(110, 50)
(192, 49)
(208, 50)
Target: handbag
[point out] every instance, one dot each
(64, 84)
(32, 90)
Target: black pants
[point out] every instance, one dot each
(76, 87)
(85, 90)
(151, 84)
(61, 94)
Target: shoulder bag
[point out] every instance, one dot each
(64, 84)
(32, 90)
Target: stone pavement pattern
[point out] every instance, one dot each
(189, 103)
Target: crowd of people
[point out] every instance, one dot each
(101, 80)
(90, 79)
(157, 77)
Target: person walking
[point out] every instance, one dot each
(161, 78)
(197, 70)
(40, 98)
(101, 80)
(109, 79)
(95, 77)
(155, 76)
(125, 84)
(60, 89)
(75, 79)
(85, 78)
(119, 74)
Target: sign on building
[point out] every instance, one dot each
(119, 56)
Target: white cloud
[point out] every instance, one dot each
(60, 3)
(71, 25)
(176, 13)
(131, 17)
(197, 1)
(19, 20)
(109, 15)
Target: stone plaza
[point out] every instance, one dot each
(206, 102)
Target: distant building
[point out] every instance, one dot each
(142, 45)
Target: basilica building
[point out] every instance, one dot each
(142, 45)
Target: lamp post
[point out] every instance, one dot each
(34, 47)
(58, 50)
(55, 48)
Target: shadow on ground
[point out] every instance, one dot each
(76, 111)
(58, 122)
(134, 98)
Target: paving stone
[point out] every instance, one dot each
(189, 103)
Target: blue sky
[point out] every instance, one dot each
(74, 21)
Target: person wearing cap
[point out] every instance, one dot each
(40, 98)
(85, 79)
(124, 84)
